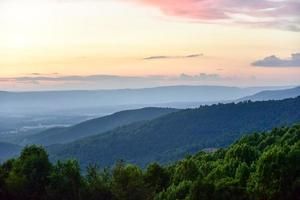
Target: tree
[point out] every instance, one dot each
(98, 184)
(30, 173)
(178, 192)
(186, 170)
(270, 180)
(128, 183)
(229, 188)
(242, 174)
(65, 181)
(202, 189)
(243, 153)
(5, 169)
(156, 177)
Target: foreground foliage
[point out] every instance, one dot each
(258, 166)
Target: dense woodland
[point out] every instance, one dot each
(258, 166)
(170, 137)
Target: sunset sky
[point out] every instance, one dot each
(101, 44)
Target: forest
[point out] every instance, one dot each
(262, 166)
(171, 137)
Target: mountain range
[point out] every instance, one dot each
(164, 134)
(172, 136)
(55, 101)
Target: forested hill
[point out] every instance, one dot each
(62, 135)
(172, 136)
(263, 166)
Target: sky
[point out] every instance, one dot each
(109, 44)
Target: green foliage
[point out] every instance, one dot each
(65, 181)
(156, 177)
(29, 174)
(262, 166)
(242, 174)
(202, 190)
(276, 171)
(178, 192)
(186, 170)
(128, 183)
(98, 184)
(242, 153)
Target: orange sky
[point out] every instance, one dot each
(74, 37)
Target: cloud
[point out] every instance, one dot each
(283, 14)
(92, 78)
(40, 74)
(201, 76)
(172, 57)
(108, 81)
(112, 78)
(274, 61)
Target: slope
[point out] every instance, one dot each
(95, 126)
(172, 136)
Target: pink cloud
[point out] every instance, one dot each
(187, 8)
(269, 13)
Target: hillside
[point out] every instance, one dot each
(172, 136)
(259, 166)
(8, 150)
(273, 95)
(62, 135)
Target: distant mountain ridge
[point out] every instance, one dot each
(273, 95)
(61, 135)
(58, 100)
(174, 135)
